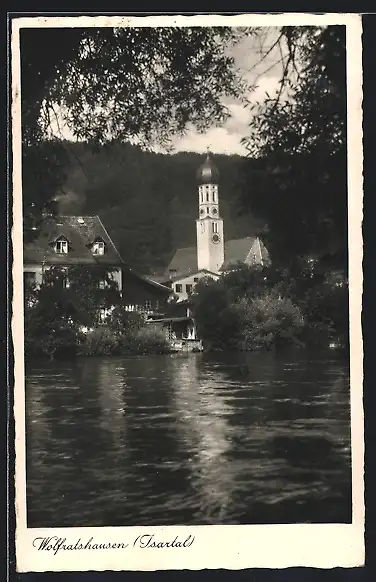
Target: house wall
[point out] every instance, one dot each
(117, 276)
(138, 295)
(256, 253)
(181, 291)
(39, 269)
(176, 331)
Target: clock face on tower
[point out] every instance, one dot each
(202, 211)
(215, 238)
(215, 211)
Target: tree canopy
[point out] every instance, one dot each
(116, 85)
(122, 84)
(298, 136)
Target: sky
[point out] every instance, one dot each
(256, 69)
(265, 74)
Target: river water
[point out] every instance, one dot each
(189, 440)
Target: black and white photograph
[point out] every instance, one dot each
(189, 246)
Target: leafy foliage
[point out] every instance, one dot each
(298, 137)
(253, 308)
(107, 341)
(218, 324)
(122, 84)
(68, 300)
(148, 339)
(64, 321)
(269, 320)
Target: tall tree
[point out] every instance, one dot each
(122, 84)
(298, 137)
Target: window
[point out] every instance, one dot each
(61, 246)
(29, 278)
(148, 305)
(178, 288)
(213, 195)
(66, 283)
(215, 227)
(102, 285)
(98, 247)
(208, 210)
(188, 288)
(103, 314)
(195, 279)
(207, 196)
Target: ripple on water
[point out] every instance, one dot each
(194, 440)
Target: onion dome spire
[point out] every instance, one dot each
(208, 172)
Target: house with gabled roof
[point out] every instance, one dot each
(213, 255)
(65, 241)
(71, 240)
(182, 284)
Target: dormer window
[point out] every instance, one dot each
(61, 246)
(98, 247)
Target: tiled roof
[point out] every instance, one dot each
(156, 284)
(80, 231)
(236, 250)
(184, 261)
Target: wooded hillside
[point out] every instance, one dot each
(148, 201)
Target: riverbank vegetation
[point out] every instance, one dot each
(254, 308)
(79, 311)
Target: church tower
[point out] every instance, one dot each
(210, 240)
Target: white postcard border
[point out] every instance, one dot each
(229, 547)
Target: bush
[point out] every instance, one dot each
(269, 321)
(145, 340)
(101, 341)
(216, 320)
(124, 322)
(327, 313)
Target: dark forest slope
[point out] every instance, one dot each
(148, 201)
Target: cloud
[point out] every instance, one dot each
(261, 73)
(265, 85)
(227, 139)
(264, 73)
(219, 140)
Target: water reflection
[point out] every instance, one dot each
(201, 411)
(188, 439)
(111, 386)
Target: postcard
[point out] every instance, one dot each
(187, 275)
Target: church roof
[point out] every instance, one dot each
(236, 251)
(80, 232)
(184, 261)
